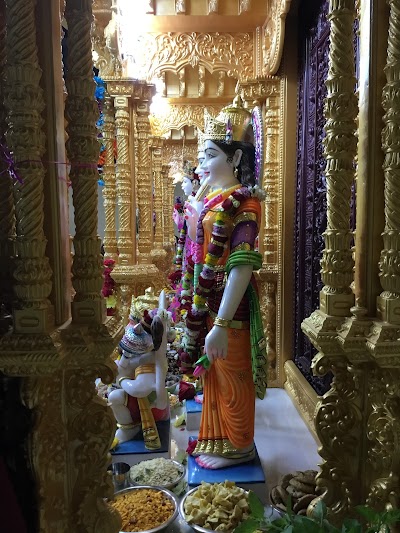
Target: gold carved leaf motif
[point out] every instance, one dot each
(178, 116)
(274, 34)
(232, 53)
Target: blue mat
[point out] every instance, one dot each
(246, 473)
(137, 444)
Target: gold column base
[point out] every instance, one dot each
(336, 304)
(388, 308)
(89, 311)
(302, 395)
(33, 320)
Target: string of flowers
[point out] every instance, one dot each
(196, 317)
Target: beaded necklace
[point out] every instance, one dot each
(197, 314)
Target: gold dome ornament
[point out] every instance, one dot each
(231, 124)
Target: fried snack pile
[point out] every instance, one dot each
(217, 506)
(143, 509)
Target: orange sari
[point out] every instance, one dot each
(227, 420)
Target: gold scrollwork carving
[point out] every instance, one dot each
(178, 116)
(232, 53)
(274, 34)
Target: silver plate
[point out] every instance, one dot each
(168, 485)
(167, 493)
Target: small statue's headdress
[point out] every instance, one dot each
(136, 341)
(188, 170)
(231, 124)
(179, 206)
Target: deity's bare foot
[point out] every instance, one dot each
(126, 434)
(213, 462)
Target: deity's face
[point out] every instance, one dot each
(217, 164)
(187, 186)
(199, 170)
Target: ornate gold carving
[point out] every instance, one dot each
(389, 301)
(174, 155)
(124, 183)
(340, 149)
(144, 183)
(268, 295)
(202, 80)
(7, 220)
(158, 254)
(221, 83)
(25, 138)
(168, 196)
(212, 7)
(274, 35)
(177, 116)
(109, 192)
(83, 150)
(232, 53)
(303, 395)
(105, 39)
(244, 5)
(383, 431)
(180, 7)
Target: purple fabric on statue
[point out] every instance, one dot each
(245, 232)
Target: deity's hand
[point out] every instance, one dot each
(216, 343)
(197, 205)
(191, 216)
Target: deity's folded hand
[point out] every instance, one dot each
(216, 343)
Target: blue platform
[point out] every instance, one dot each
(249, 475)
(193, 407)
(131, 451)
(193, 414)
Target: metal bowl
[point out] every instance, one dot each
(168, 485)
(183, 514)
(167, 493)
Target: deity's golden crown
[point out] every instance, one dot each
(200, 140)
(230, 125)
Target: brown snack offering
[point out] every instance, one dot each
(285, 480)
(303, 502)
(281, 506)
(282, 493)
(275, 496)
(302, 487)
(302, 512)
(307, 477)
(293, 492)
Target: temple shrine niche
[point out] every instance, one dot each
(199, 273)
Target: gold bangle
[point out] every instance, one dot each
(223, 322)
(121, 379)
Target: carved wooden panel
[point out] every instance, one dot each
(311, 187)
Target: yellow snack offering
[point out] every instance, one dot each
(217, 506)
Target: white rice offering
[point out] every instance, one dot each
(159, 472)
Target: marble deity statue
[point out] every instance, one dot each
(225, 320)
(141, 398)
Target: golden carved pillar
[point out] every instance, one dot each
(267, 92)
(7, 220)
(134, 272)
(158, 253)
(124, 181)
(82, 150)
(338, 416)
(383, 422)
(25, 138)
(110, 191)
(144, 183)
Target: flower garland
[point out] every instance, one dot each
(196, 317)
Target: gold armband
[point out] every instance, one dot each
(223, 322)
(121, 379)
